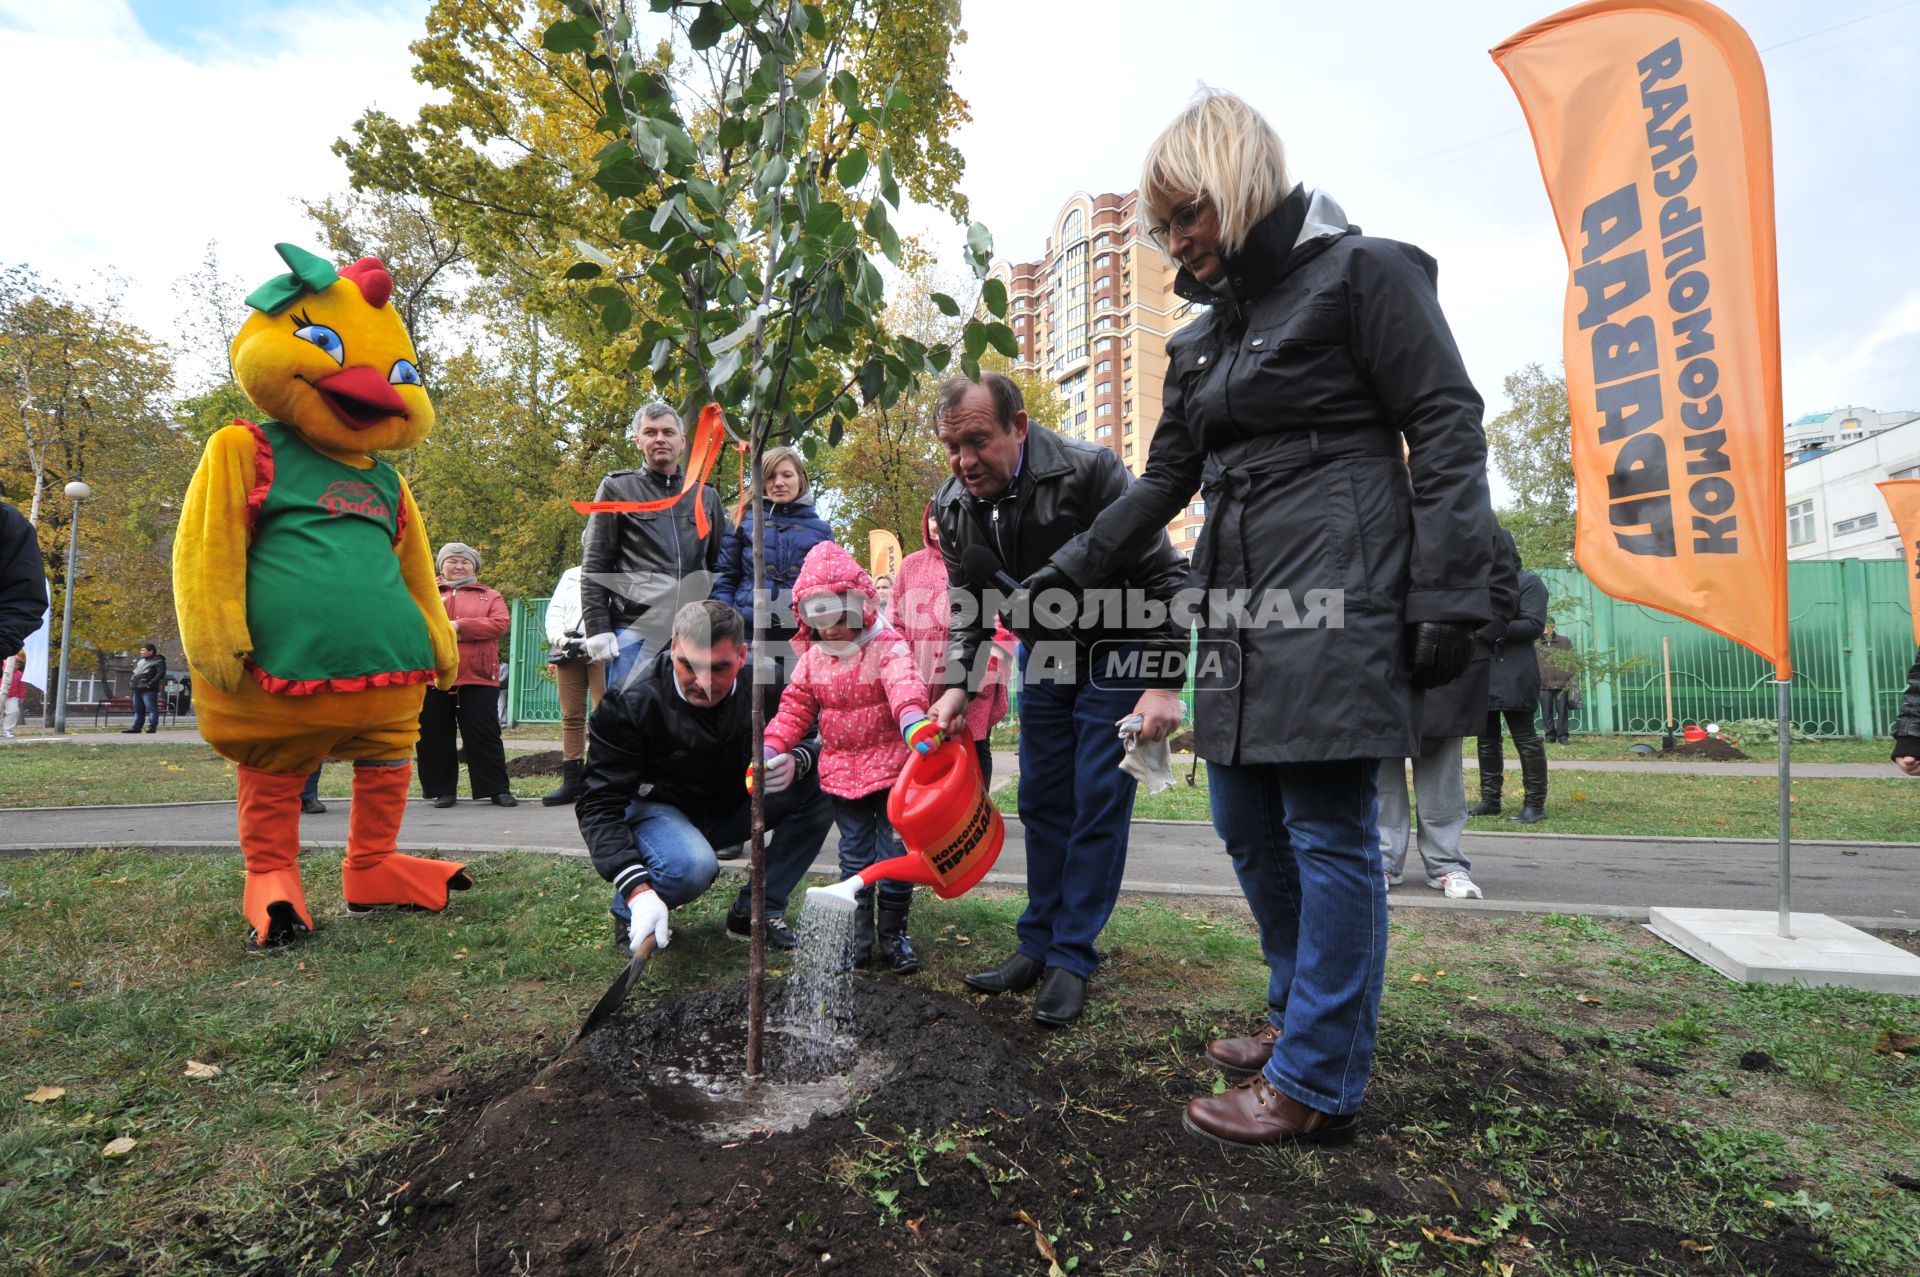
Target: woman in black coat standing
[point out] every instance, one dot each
(1341, 578)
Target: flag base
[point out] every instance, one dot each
(1744, 945)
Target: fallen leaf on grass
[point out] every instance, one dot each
(1448, 1235)
(1587, 999)
(196, 1069)
(1698, 1248)
(1041, 1244)
(119, 1148)
(1891, 1043)
(45, 1094)
(1417, 978)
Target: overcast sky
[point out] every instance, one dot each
(141, 129)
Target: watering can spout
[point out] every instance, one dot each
(839, 895)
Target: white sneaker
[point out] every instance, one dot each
(1393, 879)
(1456, 886)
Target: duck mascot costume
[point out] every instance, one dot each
(305, 586)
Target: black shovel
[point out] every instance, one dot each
(617, 991)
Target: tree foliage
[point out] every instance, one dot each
(1531, 444)
(84, 395)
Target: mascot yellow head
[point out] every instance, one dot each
(324, 353)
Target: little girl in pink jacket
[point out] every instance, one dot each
(855, 678)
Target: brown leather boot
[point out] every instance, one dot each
(1254, 1115)
(1240, 1058)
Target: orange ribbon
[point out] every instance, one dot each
(708, 438)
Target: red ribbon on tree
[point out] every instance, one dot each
(708, 438)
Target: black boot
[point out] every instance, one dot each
(860, 948)
(1533, 777)
(1016, 973)
(1491, 775)
(572, 772)
(1061, 996)
(895, 943)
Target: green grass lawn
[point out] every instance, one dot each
(82, 774)
(117, 969)
(1646, 804)
(1804, 751)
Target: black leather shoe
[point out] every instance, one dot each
(1016, 973)
(1529, 815)
(313, 807)
(1062, 994)
(505, 800)
(445, 800)
(1485, 807)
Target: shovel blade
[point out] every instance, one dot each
(616, 993)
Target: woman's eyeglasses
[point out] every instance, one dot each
(1182, 222)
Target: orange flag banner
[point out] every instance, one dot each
(1903, 498)
(709, 437)
(1650, 120)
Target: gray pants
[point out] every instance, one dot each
(1442, 795)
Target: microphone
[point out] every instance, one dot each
(984, 571)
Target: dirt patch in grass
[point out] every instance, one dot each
(1713, 749)
(996, 1146)
(545, 762)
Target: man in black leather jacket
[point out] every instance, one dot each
(1021, 492)
(639, 567)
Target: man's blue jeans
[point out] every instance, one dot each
(679, 852)
(1076, 807)
(146, 710)
(867, 837)
(1304, 846)
(633, 650)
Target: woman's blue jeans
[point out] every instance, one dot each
(1304, 846)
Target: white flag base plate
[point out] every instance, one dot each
(1745, 945)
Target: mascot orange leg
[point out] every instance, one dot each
(375, 875)
(274, 902)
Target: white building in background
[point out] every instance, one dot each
(1840, 426)
(1834, 511)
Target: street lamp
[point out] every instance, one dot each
(76, 492)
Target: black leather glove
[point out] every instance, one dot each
(1047, 577)
(1442, 650)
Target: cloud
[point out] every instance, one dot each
(126, 157)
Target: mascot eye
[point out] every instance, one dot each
(325, 338)
(405, 374)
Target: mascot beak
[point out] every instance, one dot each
(360, 397)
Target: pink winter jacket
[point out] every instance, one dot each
(858, 696)
(920, 614)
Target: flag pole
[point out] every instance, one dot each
(1786, 819)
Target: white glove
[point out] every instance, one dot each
(649, 919)
(780, 772)
(602, 647)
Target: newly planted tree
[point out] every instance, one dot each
(759, 169)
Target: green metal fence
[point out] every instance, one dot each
(1852, 643)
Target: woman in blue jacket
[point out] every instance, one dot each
(792, 528)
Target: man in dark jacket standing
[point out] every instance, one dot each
(683, 728)
(1021, 492)
(148, 673)
(639, 567)
(1513, 693)
(23, 581)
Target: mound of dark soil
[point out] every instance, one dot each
(545, 762)
(995, 1144)
(1713, 749)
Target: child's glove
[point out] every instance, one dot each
(781, 769)
(922, 736)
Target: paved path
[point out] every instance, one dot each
(1809, 771)
(1875, 884)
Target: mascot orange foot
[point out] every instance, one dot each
(305, 588)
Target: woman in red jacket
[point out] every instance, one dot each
(479, 617)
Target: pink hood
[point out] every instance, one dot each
(829, 569)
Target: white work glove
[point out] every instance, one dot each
(780, 772)
(602, 647)
(649, 919)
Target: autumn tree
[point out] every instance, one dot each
(1531, 444)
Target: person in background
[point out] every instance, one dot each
(1322, 406)
(574, 680)
(1906, 725)
(637, 568)
(1447, 713)
(883, 593)
(23, 580)
(1513, 694)
(920, 613)
(13, 687)
(682, 731)
(148, 673)
(310, 793)
(855, 681)
(1556, 683)
(472, 708)
(791, 528)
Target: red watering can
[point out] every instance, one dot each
(952, 831)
